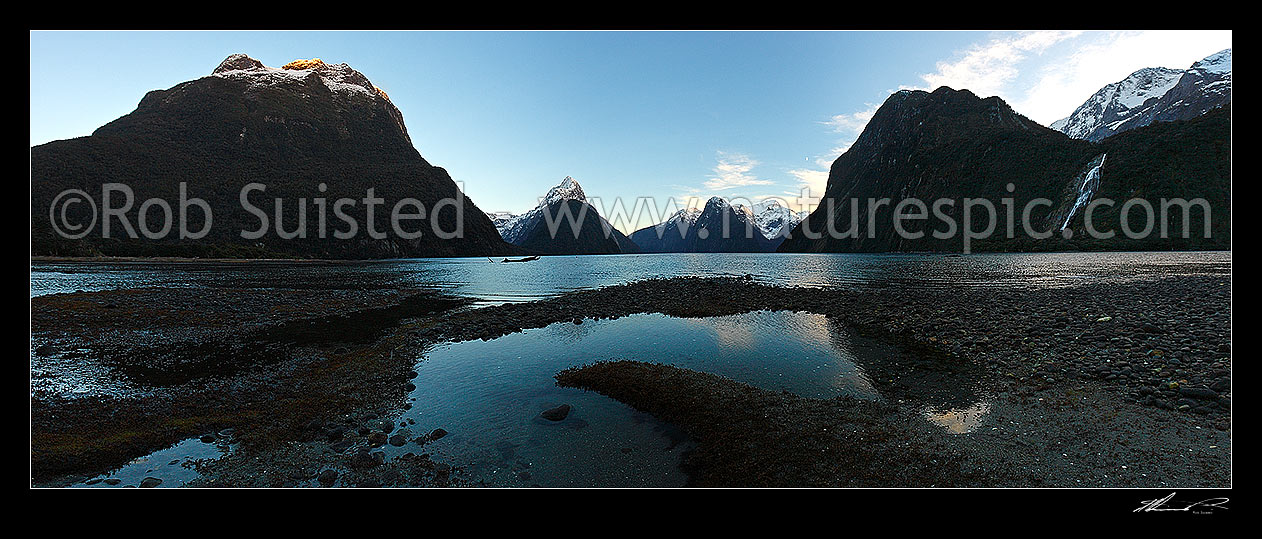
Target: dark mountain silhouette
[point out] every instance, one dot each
(292, 129)
(952, 144)
(718, 228)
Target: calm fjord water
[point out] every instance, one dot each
(494, 282)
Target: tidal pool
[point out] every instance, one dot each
(174, 466)
(488, 395)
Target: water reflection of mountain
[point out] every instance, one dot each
(921, 377)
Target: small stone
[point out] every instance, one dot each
(383, 425)
(336, 434)
(327, 477)
(150, 482)
(1202, 393)
(556, 414)
(398, 440)
(366, 459)
(436, 434)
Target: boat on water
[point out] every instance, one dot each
(523, 259)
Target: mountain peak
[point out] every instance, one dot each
(568, 189)
(339, 78)
(910, 115)
(947, 101)
(1219, 62)
(237, 62)
(688, 215)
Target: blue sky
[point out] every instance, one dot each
(628, 114)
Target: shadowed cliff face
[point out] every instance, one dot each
(594, 235)
(954, 145)
(288, 129)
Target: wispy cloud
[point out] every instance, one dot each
(811, 184)
(852, 123)
(986, 69)
(734, 170)
(849, 126)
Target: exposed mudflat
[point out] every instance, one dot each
(1098, 385)
(118, 374)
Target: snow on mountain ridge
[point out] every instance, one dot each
(513, 228)
(686, 215)
(1219, 62)
(502, 220)
(1151, 94)
(568, 189)
(774, 219)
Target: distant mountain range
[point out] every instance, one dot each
(1155, 94)
(292, 129)
(563, 223)
(720, 227)
(690, 230)
(773, 219)
(951, 144)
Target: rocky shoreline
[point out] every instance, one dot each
(1096, 385)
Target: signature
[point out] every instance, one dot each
(1164, 504)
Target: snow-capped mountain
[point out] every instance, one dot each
(686, 215)
(502, 219)
(514, 228)
(1154, 94)
(531, 230)
(720, 227)
(774, 219)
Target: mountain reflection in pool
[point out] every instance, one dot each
(488, 394)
